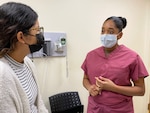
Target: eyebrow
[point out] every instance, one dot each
(108, 28)
(111, 28)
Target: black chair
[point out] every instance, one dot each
(67, 102)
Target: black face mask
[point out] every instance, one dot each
(38, 45)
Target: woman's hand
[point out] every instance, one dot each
(137, 90)
(94, 90)
(104, 83)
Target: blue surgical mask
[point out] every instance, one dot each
(108, 40)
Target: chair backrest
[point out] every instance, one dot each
(66, 102)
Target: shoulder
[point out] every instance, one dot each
(96, 53)
(28, 61)
(2, 60)
(98, 50)
(129, 54)
(3, 65)
(128, 51)
(5, 74)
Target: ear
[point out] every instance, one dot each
(20, 37)
(119, 35)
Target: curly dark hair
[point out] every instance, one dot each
(14, 17)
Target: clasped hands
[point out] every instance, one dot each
(101, 84)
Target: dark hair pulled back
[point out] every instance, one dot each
(120, 22)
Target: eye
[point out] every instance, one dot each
(111, 32)
(102, 31)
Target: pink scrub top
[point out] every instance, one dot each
(121, 66)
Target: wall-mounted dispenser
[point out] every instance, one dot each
(55, 45)
(60, 44)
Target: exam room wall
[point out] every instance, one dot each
(81, 20)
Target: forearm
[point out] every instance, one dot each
(86, 83)
(129, 90)
(137, 90)
(92, 88)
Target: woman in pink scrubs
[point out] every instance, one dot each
(113, 73)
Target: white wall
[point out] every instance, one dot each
(82, 20)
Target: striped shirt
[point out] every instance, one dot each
(26, 79)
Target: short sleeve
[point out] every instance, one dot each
(138, 69)
(83, 66)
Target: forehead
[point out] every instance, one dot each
(109, 24)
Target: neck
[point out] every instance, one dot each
(16, 57)
(20, 51)
(109, 50)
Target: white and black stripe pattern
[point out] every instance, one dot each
(27, 81)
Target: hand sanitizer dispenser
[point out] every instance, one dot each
(60, 44)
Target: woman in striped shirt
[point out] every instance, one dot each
(20, 35)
